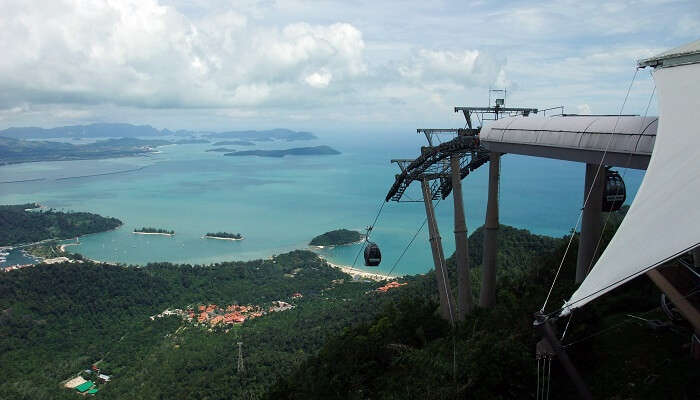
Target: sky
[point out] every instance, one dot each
(324, 66)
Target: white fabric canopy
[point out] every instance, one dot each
(664, 218)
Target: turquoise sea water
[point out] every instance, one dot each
(279, 204)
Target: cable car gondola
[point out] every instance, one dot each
(615, 193)
(372, 255)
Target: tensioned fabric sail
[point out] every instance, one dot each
(664, 218)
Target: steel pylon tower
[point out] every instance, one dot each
(240, 368)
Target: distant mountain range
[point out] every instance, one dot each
(128, 130)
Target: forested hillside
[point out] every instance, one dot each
(407, 352)
(18, 225)
(56, 320)
(339, 339)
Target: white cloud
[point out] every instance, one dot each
(584, 109)
(319, 79)
(144, 54)
(467, 67)
(208, 63)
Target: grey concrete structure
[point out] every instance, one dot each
(447, 309)
(626, 141)
(487, 295)
(464, 285)
(591, 218)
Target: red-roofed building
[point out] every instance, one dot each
(234, 318)
(297, 295)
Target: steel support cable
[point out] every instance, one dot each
(588, 195)
(369, 231)
(624, 174)
(549, 375)
(623, 279)
(537, 393)
(626, 321)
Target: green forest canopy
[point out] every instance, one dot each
(23, 223)
(336, 238)
(226, 235)
(154, 230)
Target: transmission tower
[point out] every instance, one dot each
(240, 367)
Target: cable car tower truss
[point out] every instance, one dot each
(438, 168)
(434, 163)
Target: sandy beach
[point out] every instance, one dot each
(358, 272)
(153, 233)
(62, 247)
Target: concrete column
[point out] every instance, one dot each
(464, 284)
(487, 295)
(447, 309)
(590, 220)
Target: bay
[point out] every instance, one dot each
(280, 204)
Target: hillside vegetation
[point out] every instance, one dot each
(407, 352)
(336, 238)
(17, 225)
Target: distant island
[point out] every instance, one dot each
(30, 144)
(191, 141)
(27, 223)
(298, 151)
(224, 236)
(221, 150)
(264, 136)
(337, 237)
(154, 231)
(234, 143)
(14, 151)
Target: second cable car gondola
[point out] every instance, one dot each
(372, 255)
(615, 194)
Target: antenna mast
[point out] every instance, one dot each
(240, 368)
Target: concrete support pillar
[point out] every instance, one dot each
(464, 285)
(447, 309)
(487, 295)
(590, 220)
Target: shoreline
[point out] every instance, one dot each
(330, 246)
(153, 233)
(62, 247)
(375, 276)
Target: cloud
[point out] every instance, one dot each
(212, 63)
(319, 79)
(584, 109)
(466, 67)
(144, 54)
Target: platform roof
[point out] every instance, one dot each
(686, 54)
(626, 141)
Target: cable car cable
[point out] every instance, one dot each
(369, 230)
(588, 195)
(624, 173)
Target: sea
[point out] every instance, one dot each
(280, 204)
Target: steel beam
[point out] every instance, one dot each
(625, 160)
(685, 307)
(464, 285)
(542, 326)
(487, 294)
(447, 310)
(590, 219)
